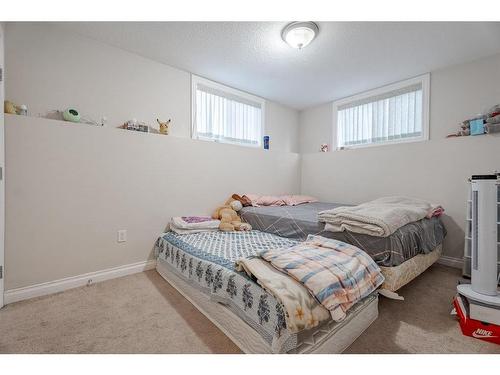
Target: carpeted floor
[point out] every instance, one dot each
(143, 314)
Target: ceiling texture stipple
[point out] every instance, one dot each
(346, 57)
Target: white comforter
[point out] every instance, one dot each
(380, 217)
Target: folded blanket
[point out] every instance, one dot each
(177, 230)
(302, 311)
(193, 224)
(337, 274)
(380, 217)
(435, 211)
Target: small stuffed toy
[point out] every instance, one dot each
(228, 216)
(164, 126)
(9, 107)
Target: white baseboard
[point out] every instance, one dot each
(451, 262)
(20, 294)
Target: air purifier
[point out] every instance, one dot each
(484, 277)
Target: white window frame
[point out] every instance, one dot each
(424, 80)
(195, 80)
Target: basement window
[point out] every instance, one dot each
(223, 114)
(392, 114)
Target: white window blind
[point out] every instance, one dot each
(393, 114)
(226, 115)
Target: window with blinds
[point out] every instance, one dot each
(395, 113)
(223, 114)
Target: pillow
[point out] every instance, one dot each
(295, 200)
(265, 200)
(283, 200)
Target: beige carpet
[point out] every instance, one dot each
(143, 314)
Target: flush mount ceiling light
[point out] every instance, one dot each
(300, 34)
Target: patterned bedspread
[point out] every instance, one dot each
(207, 262)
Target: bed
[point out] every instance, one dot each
(402, 256)
(201, 267)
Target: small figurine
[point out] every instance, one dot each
(323, 147)
(9, 107)
(164, 126)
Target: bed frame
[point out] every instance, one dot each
(334, 338)
(398, 276)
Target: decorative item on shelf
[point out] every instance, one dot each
(164, 125)
(266, 142)
(477, 126)
(54, 114)
(9, 107)
(493, 120)
(22, 110)
(71, 115)
(13, 109)
(323, 147)
(480, 124)
(136, 126)
(104, 120)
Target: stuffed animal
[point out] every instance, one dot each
(228, 216)
(9, 107)
(164, 126)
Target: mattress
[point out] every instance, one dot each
(206, 262)
(297, 222)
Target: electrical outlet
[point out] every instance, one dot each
(122, 235)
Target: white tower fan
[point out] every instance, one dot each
(484, 277)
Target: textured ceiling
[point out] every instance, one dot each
(346, 58)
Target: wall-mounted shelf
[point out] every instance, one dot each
(106, 131)
(152, 130)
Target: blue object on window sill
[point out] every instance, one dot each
(477, 127)
(266, 142)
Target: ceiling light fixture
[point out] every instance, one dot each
(300, 34)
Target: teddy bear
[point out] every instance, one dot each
(9, 107)
(228, 216)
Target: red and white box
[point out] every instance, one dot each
(474, 328)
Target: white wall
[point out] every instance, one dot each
(71, 187)
(436, 170)
(315, 128)
(48, 69)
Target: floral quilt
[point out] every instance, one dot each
(207, 261)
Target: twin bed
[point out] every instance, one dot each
(402, 256)
(201, 266)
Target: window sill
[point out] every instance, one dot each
(381, 144)
(257, 146)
